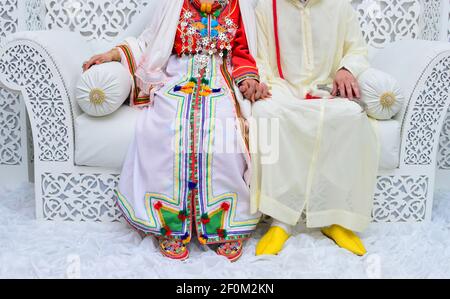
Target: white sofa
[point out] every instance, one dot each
(103, 141)
(77, 158)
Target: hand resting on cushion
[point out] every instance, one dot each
(112, 55)
(250, 88)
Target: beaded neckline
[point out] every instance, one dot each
(206, 34)
(217, 5)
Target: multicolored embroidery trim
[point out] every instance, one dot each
(193, 201)
(246, 76)
(227, 76)
(132, 67)
(245, 72)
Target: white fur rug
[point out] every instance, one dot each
(32, 249)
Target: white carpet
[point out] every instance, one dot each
(32, 249)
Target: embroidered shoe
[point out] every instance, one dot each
(173, 249)
(231, 250)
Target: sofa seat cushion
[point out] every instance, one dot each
(104, 141)
(389, 134)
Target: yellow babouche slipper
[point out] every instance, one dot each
(272, 242)
(345, 238)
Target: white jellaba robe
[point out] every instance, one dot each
(322, 155)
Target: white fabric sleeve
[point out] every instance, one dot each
(263, 56)
(355, 47)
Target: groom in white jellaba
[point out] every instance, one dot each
(310, 53)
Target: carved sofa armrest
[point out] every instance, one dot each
(423, 71)
(45, 66)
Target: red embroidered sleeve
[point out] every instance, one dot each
(244, 65)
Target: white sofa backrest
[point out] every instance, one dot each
(382, 21)
(388, 20)
(102, 22)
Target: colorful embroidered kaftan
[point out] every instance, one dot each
(186, 169)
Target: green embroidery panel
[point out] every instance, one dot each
(215, 223)
(171, 220)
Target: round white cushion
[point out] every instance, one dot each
(381, 93)
(103, 89)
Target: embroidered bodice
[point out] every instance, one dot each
(217, 32)
(207, 34)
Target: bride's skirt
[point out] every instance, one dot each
(185, 170)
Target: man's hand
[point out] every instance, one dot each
(254, 91)
(346, 85)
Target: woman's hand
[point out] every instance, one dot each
(254, 91)
(109, 56)
(345, 85)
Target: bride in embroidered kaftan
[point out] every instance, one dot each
(187, 171)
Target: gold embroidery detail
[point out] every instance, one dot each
(387, 99)
(97, 96)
